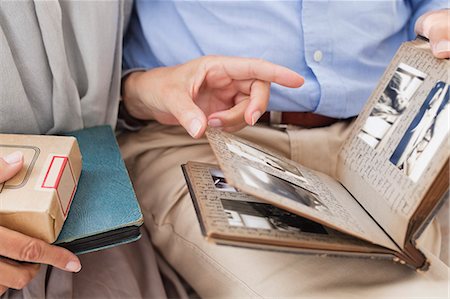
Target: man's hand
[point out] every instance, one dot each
(225, 92)
(435, 25)
(16, 247)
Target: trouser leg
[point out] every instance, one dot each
(154, 156)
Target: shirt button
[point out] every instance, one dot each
(318, 55)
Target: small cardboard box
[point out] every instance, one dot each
(36, 201)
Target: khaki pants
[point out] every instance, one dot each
(154, 156)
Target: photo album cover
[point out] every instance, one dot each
(392, 176)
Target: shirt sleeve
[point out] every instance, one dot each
(420, 7)
(125, 121)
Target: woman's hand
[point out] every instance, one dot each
(219, 91)
(435, 25)
(15, 247)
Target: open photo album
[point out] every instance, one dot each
(392, 176)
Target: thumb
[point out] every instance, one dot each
(189, 115)
(10, 165)
(435, 26)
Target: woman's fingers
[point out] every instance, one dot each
(10, 165)
(17, 276)
(20, 247)
(3, 289)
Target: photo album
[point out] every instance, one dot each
(392, 177)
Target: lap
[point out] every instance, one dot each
(154, 156)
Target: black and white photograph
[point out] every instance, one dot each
(425, 134)
(265, 216)
(256, 155)
(265, 181)
(392, 104)
(219, 181)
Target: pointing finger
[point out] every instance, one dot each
(238, 68)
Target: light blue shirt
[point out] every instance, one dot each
(340, 47)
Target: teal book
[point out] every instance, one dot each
(104, 212)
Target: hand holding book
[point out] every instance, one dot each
(20, 247)
(104, 211)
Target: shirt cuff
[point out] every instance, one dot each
(125, 121)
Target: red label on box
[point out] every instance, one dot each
(59, 176)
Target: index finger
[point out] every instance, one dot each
(20, 247)
(239, 68)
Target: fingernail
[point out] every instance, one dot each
(13, 158)
(215, 122)
(442, 46)
(73, 266)
(255, 116)
(195, 127)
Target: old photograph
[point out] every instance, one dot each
(265, 216)
(392, 103)
(219, 181)
(425, 134)
(265, 181)
(256, 155)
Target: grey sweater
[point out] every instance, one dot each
(60, 64)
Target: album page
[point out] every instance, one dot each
(400, 142)
(292, 187)
(230, 217)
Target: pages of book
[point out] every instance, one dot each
(230, 217)
(400, 142)
(290, 186)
